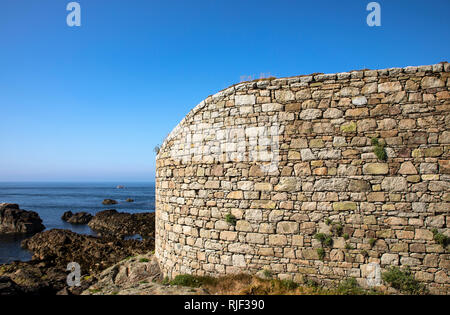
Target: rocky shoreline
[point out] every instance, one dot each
(53, 250)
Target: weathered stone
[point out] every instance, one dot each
(263, 186)
(307, 155)
(235, 195)
(244, 100)
(284, 96)
(333, 113)
(344, 206)
(358, 185)
(287, 227)
(431, 82)
(389, 259)
(389, 87)
(394, 184)
(348, 127)
(308, 114)
(244, 226)
(359, 100)
(407, 168)
(375, 169)
(333, 184)
(276, 239)
(287, 184)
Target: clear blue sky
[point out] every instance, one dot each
(90, 103)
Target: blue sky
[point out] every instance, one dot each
(91, 102)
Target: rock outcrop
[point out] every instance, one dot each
(119, 224)
(9, 287)
(16, 221)
(77, 218)
(60, 247)
(138, 275)
(46, 273)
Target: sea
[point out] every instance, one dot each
(51, 199)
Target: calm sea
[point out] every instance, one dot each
(51, 200)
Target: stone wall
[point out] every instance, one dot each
(251, 175)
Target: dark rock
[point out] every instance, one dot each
(129, 200)
(9, 287)
(119, 224)
(34, 278)
(67, 215)
(77, 218)
(109, 202)
(16, 221)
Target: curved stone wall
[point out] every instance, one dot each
(281, 175)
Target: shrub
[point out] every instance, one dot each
(231, 219)
(165, 281)
(372, 242)
(288, 284)
(346, 236)
(321, 253)
(350, 287)
(403, 280)
(328, 221)
(324, 239)
(320, 237)
(312, 283)
(191, 281)
(348, 246)
(144, 260)
(267, 273)
(339, 229)
(440, 238)
(379, 150)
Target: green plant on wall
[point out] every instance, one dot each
(440, 238)
(338, 228)
(231, 219)
(378, 149)
(324, 239)
(321, 253)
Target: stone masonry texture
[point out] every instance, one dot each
(293, 157)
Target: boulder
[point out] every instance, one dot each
(77, 218)
(109, 202)
(67, 215)
(16, 221)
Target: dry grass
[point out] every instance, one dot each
(243, 284)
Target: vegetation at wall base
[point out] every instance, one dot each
(403, 281)
(243, 284)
